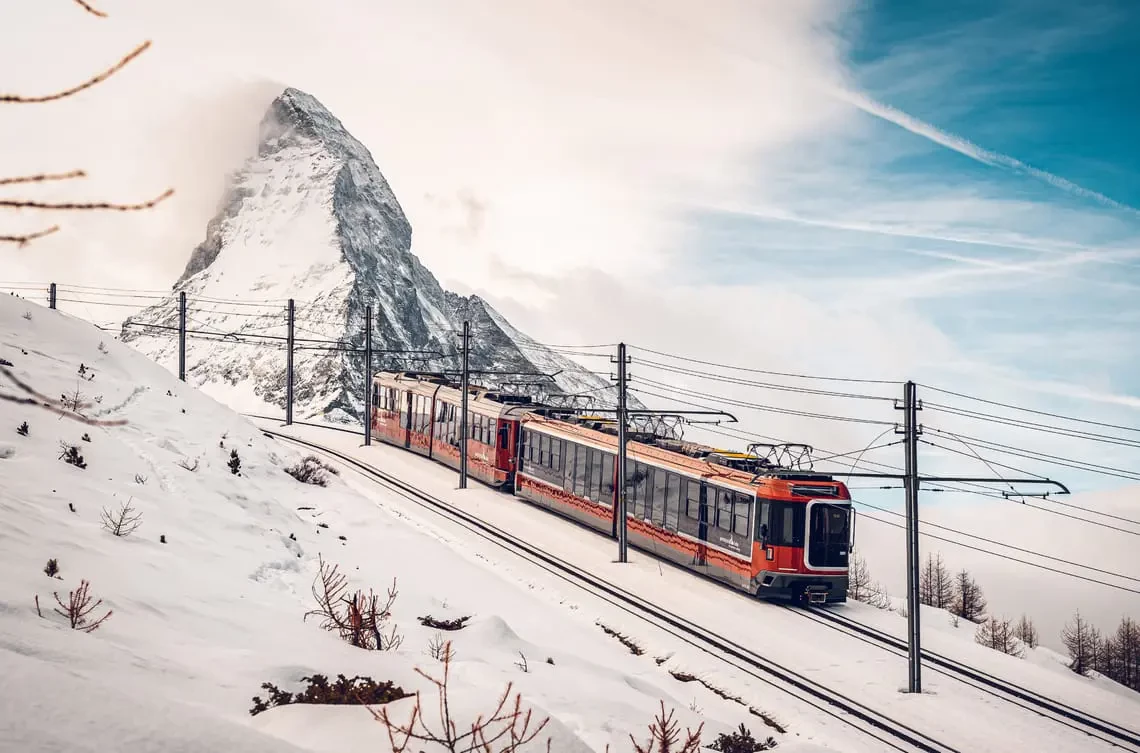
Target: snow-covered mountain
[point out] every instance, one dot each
(311, 218)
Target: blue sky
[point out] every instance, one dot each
(1024, 251)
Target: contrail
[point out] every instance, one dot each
(968, 148)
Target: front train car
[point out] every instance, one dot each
(772, 532)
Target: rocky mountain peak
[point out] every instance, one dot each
(311, 217)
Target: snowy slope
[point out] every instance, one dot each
(200, 621)
(948, 710)
(311, 218)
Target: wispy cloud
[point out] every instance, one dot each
(969, 149)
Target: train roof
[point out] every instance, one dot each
(480, 400)
(776, 480)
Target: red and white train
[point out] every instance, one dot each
(772, 532)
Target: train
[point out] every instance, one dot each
(774, 532)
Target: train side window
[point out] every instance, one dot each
(544, 450)
(569, 451)
(607, 479)
(581, 471)
(556, 454)
(595, 490)
(672, 500)
(504, 436)
(724, 501)
(657, 512)
(740, 515)
(647, 491)
(693, 500)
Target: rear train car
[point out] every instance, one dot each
(773, 533)
(423, 412)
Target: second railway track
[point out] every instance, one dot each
(889, 732)
(1068, 716)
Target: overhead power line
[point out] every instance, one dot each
(754, 406)
(1029, 410)
(1033, 425)
(1003, 544)
(764, 371)
(1036, 565)
(761, 385)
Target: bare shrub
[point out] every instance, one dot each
(439, 648)
(358, 619)
(665, 736)
(70, 454)
(140, 479)
(626, 641)
(344, 692)
(27, 315)
(522, 663)
(504, 730)
(456, 624)
(740, 741)
(79, 608)
(190, 466)
(312, 470)
(122, 523)
(22, 429)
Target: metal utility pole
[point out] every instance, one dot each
(367, 376)
(466, 377)
(622, 419)
(289, 366)
(911, 430)
(181, 332)
(51, 296)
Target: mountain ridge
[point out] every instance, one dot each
(311, 217)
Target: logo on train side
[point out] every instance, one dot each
(730, 542)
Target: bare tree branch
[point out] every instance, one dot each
(50, 404)
(20, 99)
(42, 177)
(23, 240)
(20, 204)
(91, 10)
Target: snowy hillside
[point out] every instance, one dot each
(950, 711)
(208, 595)
(311, 218)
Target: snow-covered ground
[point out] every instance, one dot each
(949, 711)
(200, 621)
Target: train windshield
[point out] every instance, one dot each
(828, 535)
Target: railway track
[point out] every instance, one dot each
(1068, 716)
(887, 731)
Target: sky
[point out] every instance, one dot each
(885, 190)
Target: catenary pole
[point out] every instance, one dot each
(623, 419)
(367, 376)
(51, 296)
(182, 335)
(911, 430)
(291, 310)
(463, 430)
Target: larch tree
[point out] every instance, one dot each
(1083, 643)
(999, 635)
(1026, 632)
(1126, 654)
(858, 579)
(969, 602)
(936, 585)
